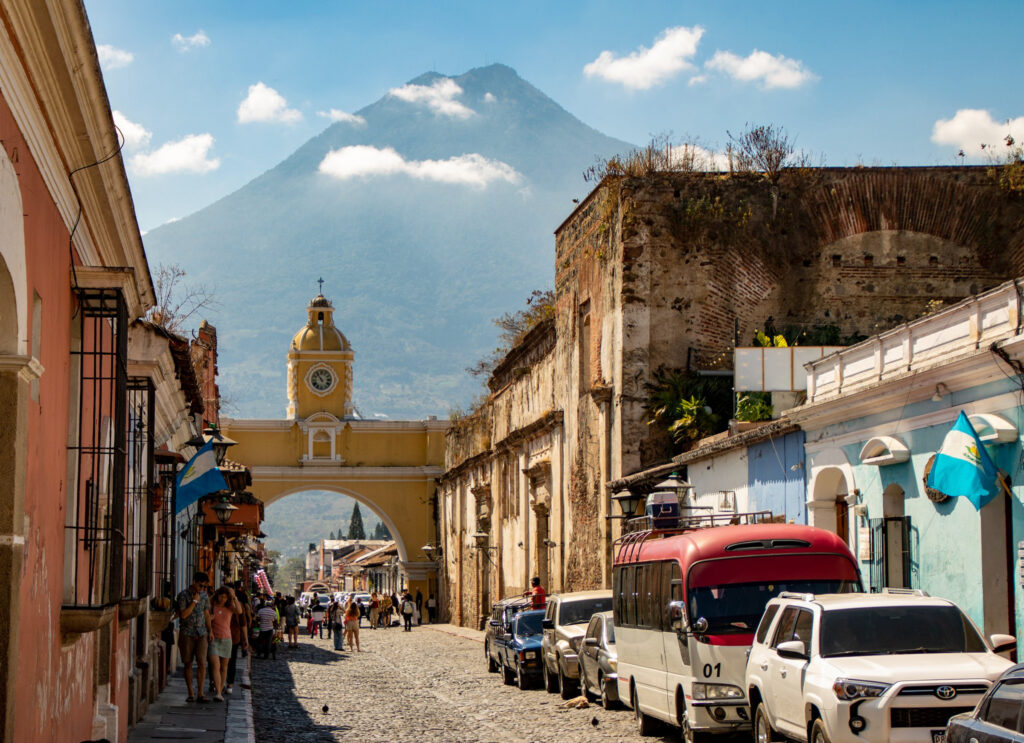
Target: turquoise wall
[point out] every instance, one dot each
(946, 537)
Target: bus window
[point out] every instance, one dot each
(629, 602)
(738, 607)
(642, 572)
(766, 621)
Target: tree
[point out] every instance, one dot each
(273, 558)
(765, 147)
(332, 536)
(514, 326)
(380, 531)
(355, 526)
(291, 574)
(177, 302)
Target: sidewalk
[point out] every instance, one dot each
(171, 718)
(451, 629)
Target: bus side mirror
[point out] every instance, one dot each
(677, 616)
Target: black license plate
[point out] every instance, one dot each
(938, 736)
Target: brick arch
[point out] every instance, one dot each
(964, 206)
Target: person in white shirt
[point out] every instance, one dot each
(318, 621)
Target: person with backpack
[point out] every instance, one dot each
(408, 609)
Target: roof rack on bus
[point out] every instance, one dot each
(796, 595)
(906, 592)
(691, 521)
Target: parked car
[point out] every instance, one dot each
(520, 651)
(502, 613)
(565, 620)
(866, 667)
(599, 661)
(997, 718)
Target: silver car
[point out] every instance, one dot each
(598, 660)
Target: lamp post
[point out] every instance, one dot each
(223, 510)
(221, 443)
(628, 502)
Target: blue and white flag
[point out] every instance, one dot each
(962, 466)
(199, 477)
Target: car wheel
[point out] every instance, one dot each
(550, 682)
(644, 723)
(584, 686)
(818, 734)
(506, 674)
(492, 665)
(565, 687)
(763, 731)
(606, 700)
(521, 681)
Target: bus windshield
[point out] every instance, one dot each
(736, 608)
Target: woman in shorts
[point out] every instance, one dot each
(224, 605)
(352, 625)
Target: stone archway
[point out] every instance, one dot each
(830, 487)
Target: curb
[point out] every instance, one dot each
(238, 725)
(462, 632)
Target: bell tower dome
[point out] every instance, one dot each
(320, 366)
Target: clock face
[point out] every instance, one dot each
(321, 379)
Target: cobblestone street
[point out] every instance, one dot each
(426, 685)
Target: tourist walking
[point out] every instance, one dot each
(352, 625)
(408, 608)
(239, 635)
(336, 620)
(385, 610)
(193, 607)
(329, 619)
(291, 622)
(267, 618)
(224, 606)
(419, 607)
(431, 608)
(317, 626)
(374, 610)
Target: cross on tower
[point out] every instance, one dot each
(320, 281)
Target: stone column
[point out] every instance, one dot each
(17, 374)
(539, 478)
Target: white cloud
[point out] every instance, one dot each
(771, 71)
(112, 58)
(489, 98)
(645, 67)
(336, 114)
(361, 161)
(697, 80)
(190, 154)
(700, 159)
(265, 104)
(439, 97)
(136, 136)
(188, 43)
(972, 127)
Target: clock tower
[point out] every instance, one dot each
(320, 367)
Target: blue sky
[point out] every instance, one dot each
(858, 83)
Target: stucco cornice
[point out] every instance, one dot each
(343, 474)
(977, 367)
(52, 82)
(548, 422)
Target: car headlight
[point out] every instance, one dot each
(531, 653)
(850, 689)
(716, 691)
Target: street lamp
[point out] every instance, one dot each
(221, 443)
(430, 549)
(480, 538)
(223, 511)
(628, 502)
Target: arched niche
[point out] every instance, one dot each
(830, 488)
(884, 450)
(13, 274)
(992, 428)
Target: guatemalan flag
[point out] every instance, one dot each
(963, 467)
(199, 477)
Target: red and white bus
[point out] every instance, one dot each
(687, 605)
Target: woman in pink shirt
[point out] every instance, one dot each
(224, 605)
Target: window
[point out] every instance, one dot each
(629, 598)
(802, 629)
(784, 629)
(881, 630)
(1004, 705)
(642, 573)
(766, 622)
(594, 628)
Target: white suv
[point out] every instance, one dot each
(891, 666)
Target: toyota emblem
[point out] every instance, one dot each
(945, 692)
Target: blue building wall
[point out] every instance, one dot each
(946, 538)
(774, 484)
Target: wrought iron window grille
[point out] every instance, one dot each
(96, 517)
(139, 476)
